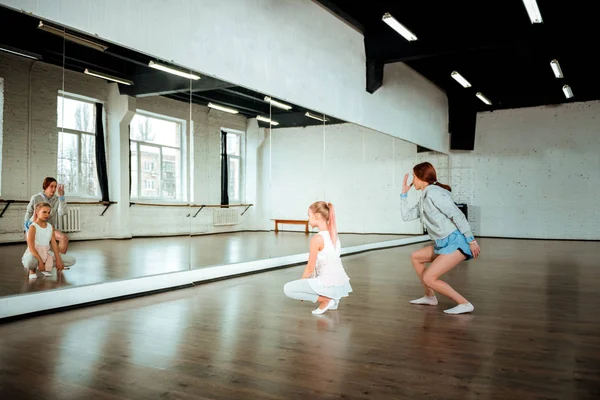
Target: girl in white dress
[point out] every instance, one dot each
(324, 279)
(42, 251)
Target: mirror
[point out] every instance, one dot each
(197, 171)
(31, 78)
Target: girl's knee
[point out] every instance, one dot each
(429, 279)
(287, 289)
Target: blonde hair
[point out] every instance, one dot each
(38, 207)
(327, 211)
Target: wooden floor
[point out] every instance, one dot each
(535, 334)
(104, 260)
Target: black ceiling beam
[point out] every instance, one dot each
(162, 83)
(339, 11)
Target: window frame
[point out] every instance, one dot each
(79, 134)
(181, 128)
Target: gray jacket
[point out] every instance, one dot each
(438, 213)
(59, 206)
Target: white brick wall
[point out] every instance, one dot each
(361, 175)
(534, 173)
(18, 183)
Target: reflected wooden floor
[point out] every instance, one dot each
(104, 260)
(533, 335)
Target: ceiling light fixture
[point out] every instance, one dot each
(460, 79)
(267, 120)
(221, 108)
(556, 68)
(567, 91)
(534, 12)
(73, 38)
(398, 27)
(277, 103)
(483, 98)
(108, 77)
(313, 116)
(173, 71)
(21, 53)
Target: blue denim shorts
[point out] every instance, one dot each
(455, 241)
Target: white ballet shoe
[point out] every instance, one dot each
(426, 300)
(335, 305)
(319, 311)
(460, 309)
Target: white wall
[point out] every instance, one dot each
(291, 49)
(535, 173)
(30, 145)
(359, 170)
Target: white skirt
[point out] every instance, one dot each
(333, 292)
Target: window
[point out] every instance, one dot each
(234, 166)
(77, 147)
(156, 158)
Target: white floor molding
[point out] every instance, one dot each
(22, 304)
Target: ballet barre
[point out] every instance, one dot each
(104, 203)
(202, 206)
(292, 222)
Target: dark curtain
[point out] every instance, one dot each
(101, 168)
(224, 171)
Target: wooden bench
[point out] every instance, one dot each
(291, 221)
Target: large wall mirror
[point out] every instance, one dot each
(165, 169)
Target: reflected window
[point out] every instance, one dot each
(157, 161)
(234, 165)
(77, 146)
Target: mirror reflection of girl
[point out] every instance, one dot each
(42, 251)
(324, 279)
(448, 227)
(58, 206)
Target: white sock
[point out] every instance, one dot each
(460, 309)
(427, 300)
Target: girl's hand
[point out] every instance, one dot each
(61, 190)
(405, 186)
(59, 264)
(475, 250)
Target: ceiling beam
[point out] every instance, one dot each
(161, 83)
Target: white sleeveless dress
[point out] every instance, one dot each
(330, 278)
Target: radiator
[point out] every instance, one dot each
(225, 216)
(71, 221)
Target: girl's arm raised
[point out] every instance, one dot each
(316, 244)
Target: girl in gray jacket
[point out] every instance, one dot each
(450, 230)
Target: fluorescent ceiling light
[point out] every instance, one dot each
(460, 79)
(483, 98)
(21, 53)
(277, 103)
(265, 119)
(534, 12)
(173, 71)
(109, 77)
(398, 27)
(73, 38)
(556, 68)
(567, 91)
(313, 116)
(221, 108)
